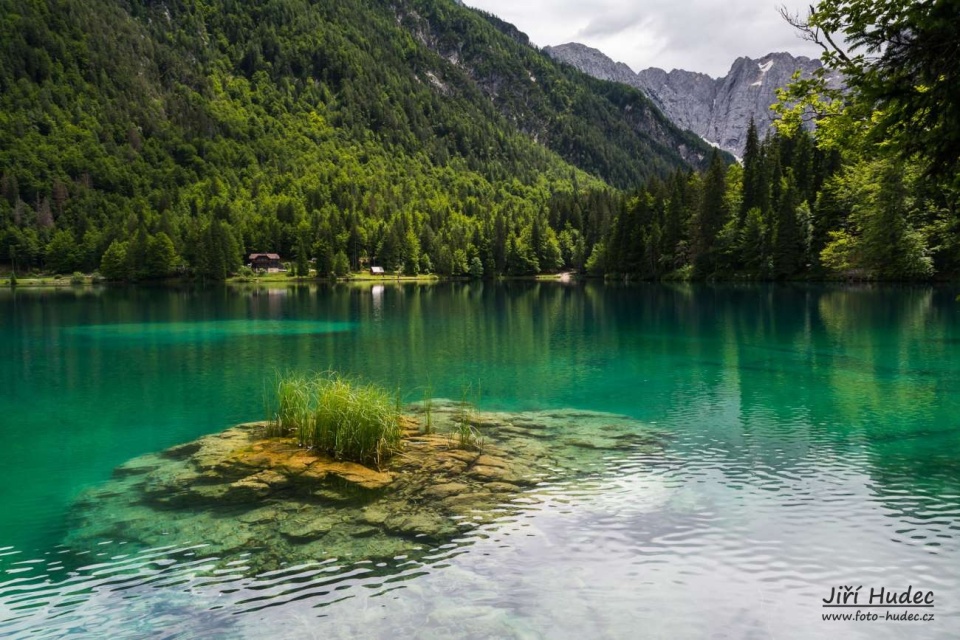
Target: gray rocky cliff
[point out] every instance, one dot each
(716, 109)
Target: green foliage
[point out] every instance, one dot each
(814, 212)
(597, 263)
(840, 254)
(467, 422)
(476, 268)
(347, 420)
(21, 245)
(788, 244)
(899, 63)
(468, 436)
(754, 190)
(428, 410)
(896, 124)
(260, 127)
(219, 252)
(62, 253)
(341, 265)
(521, 259)
(752, 243)
(683, 274)
(427, 137)
(882, 239)
(710, 219)
(161, 257)
(302, 268)
(113, 265)
(292, 415)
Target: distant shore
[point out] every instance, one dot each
(87, 280)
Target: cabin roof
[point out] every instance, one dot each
(268, 256)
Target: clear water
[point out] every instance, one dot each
(814, 442)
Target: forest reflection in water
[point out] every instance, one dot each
(830, 411)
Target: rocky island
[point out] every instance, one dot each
(276, 502)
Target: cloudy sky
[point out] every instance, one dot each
(697, 35)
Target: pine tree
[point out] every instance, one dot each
(788, 245)
(753, 182)
(753, 242)
(710, 218)
(303, 260)
(674, 221)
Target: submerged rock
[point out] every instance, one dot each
(239, 492)
(309, 528)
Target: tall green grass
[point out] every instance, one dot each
(346, 419)
(428, 409)
(468, 436)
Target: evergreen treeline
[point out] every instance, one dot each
(145, 138)
(793, 209)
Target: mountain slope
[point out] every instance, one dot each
(718, 110)
(420, 132)
(602, 128)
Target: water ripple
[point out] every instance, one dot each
(754, 540)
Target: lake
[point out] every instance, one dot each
(811, 441)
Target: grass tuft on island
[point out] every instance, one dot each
(346, 419)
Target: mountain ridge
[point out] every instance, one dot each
(718, 110)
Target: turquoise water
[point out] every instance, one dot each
(814, 442)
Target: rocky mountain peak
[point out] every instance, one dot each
(593, 62)
(716, 109)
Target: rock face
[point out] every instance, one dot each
(239, 493)
(718, 110)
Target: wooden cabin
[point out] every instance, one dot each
(269, 262)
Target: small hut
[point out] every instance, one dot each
(377, 271)
(269, 262)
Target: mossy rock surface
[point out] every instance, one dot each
(240, 492)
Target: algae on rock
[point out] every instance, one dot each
(240, 492)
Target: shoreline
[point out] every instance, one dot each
(89, 281)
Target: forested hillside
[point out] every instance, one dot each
(148, 137)
(768, 218)
(796, 208)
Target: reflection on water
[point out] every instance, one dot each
(814, 442)
(377, 292)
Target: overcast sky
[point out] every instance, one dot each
(697, 35)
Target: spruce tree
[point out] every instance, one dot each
(674, 222)
(788, 246)
(752, 174)
(303, 261)
(710, 218)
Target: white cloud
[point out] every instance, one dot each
(697, 35)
